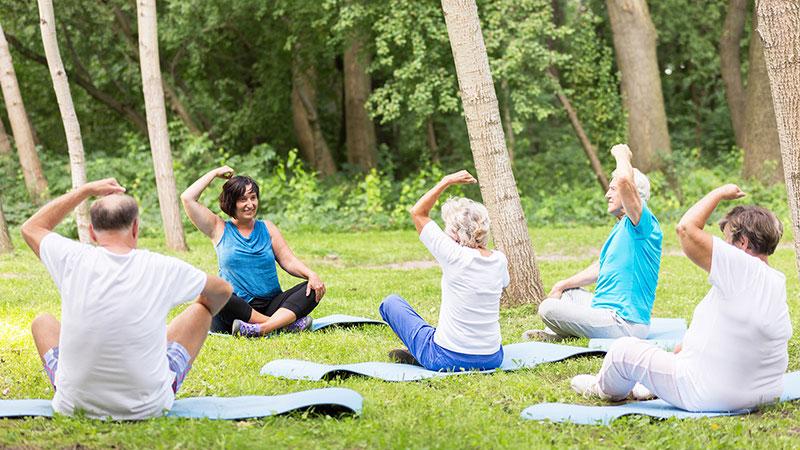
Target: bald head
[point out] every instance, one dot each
(114, 212)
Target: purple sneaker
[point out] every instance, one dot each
(301, 324)
(241, 328)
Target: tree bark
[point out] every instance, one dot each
(86, 83)
(35, 181)
(5, 239)
(762, 148)
(307, 128)
(72, 129)
(509, 129)
(497, 184)
(731, 66)
(362, 150)
(779, 28)
(157, 124)
(430, 138)
(5, 142)
(635, 49)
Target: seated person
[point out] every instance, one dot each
(473, 278)
(735, 352)
(113, 354)
(247, 250)
(626, 274)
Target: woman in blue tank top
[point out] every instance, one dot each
(247, 250)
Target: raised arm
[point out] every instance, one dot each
(215, 294)
(696, 243)
(583, 278)
(631, 201)
(420, 212)
(292, 264)
(51, 214)
(203, 218)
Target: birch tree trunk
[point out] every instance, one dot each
(779, 28)
(72, 129)
(635, 49)
(35, 181)
(157, 124)
(362, 150)
(762, 148)
(5, 142)
(731, 66)
(5, 239)
(497, 184)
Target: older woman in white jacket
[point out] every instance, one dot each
(473, 278)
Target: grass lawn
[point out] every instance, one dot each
(471, 411)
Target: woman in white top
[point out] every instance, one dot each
(734, 354)
(473, 278)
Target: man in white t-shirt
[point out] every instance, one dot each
(112, 354)
(735, 352)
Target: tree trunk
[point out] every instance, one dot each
(430, 138)
(509, 129)
(5, 239)
(307, 128)
(72, 129)
(157, 124)
(731, 66)
(35, 181)
(5, 142)
(778, 22)
(362, 150)
(497, 184)
(762, 147)
(635, 48)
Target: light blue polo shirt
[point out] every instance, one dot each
(629, 264)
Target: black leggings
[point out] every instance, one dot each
(295, 300)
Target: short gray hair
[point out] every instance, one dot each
(641, 181)
(467, 221)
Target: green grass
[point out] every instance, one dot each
(473, 411)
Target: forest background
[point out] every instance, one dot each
(346, 110)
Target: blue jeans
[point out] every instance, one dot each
(417, 335)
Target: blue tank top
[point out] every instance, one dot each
(248, 264)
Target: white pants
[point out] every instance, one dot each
(573, 315)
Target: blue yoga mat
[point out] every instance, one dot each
(517, 356)
(328, 401)
(664, 333)
(604, 415)
(334, 320)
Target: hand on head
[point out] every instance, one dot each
(223, 172)
(621, 151)
(731, 192)
(101, 188)
(460, 177)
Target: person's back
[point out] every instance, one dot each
(736, 346)
(113, 334)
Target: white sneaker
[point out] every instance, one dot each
(639, 392)
(587, 386)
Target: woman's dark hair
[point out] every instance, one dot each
(762, 229)
(232, 190)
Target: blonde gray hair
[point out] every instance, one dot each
(466, 221)
(641, 181)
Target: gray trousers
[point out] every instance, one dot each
(573, 315)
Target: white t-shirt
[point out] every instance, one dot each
(113, 343)
(735, 351)
(469, 319)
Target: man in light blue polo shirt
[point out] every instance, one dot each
(626, 274)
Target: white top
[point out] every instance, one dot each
(735, 351)
(113, 343)
(469, 319)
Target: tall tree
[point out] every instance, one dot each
(762, 149)
(635, 48)
(5, 239)
(362, 149)
(5, 142)
(157, 124)
(498, 187)
(72, 129)
(778, 27)
(35, 181)
(731, 65)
